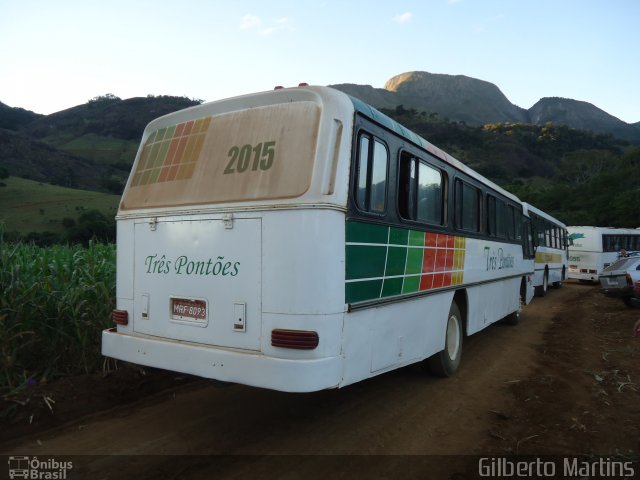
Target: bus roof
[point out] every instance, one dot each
(606, 230)
(387, 122)
(530, 208)
(339, 103)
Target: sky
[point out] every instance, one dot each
(56, 54)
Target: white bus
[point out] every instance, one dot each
(550, 241)
(592, 249)
(301, 240)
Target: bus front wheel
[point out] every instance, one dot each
(446, 362)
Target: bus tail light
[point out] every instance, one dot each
(121, 317)
(296, 339)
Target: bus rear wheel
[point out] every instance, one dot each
(559, 283)
(541, 290)
(446, 362)
(514, 317)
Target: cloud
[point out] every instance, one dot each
(249, 22)
(284, 21)
(488, 22)
(252, 22)
(403, 18)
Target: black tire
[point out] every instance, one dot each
(514, 317)
(562, 278)
(627, 301)
(446, 362)
(541, 291)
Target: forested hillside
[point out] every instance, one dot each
(579, 177)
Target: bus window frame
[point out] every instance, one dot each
(479, 206)
(372, 138)
(405, 155)
(396, 145)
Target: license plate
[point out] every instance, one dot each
(188, 309)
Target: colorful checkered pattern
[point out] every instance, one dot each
(171, 153)
(383, 261)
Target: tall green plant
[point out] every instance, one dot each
(54, 302)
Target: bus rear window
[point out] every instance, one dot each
(249, 155)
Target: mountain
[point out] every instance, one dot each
(15, 118)
(467, 99)
(90, 146)
(477, 102)
(582, 116)
(23, 156)
(108, 116)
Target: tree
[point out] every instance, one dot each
(92, 224)
(579, 167)
(108, 97)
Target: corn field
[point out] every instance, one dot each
(54, 303)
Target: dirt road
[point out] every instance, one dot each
(565, 381)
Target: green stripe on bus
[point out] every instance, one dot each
(416, 238)
(361, 291)
(414, 261)
(398, 236)
(385, 261)
(367, 233)
(411, 284)
(365, 261)
(392, 286)
(396, 258)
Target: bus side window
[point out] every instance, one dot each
(511, 223)
(421, 191)
(467, 207)
(429, 195)
(363, 169)
(378, 195)
(491, 215)
(496, 217)
(528, 247)
(371, 184)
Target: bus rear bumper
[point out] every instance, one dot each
(248, 368)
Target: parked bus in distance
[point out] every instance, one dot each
(550, 241)
(301, 240)
(592, 249)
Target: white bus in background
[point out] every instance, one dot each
(300, 240)
(550, 241)
(592, 249)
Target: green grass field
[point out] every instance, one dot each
(28, 206)
(102, 149)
